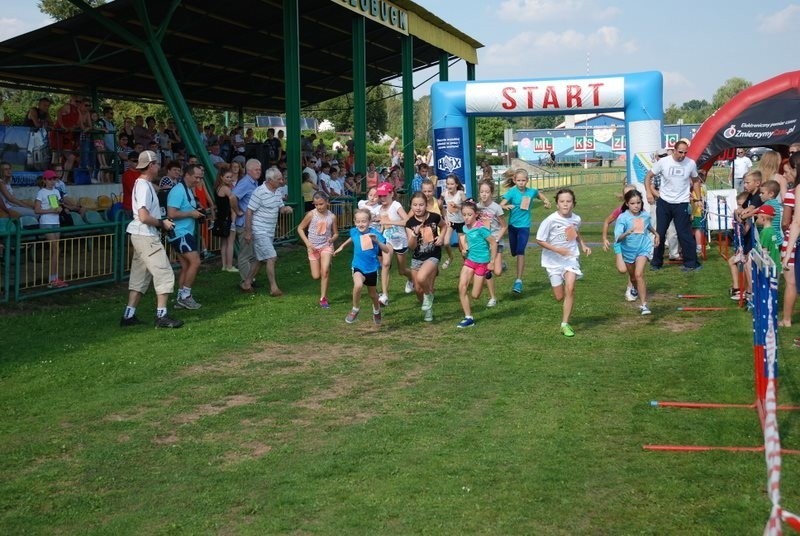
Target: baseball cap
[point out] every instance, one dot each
(145, 158)
(384, 189)
(766, 209)
(49, 174)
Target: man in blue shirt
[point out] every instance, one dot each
(241, 197)
(422, 174)
(182, 208)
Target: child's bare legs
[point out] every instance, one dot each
(520, 266)
(373, 295)
(53, 244)
(789, 297)
(463, 288)
(386, 265)
(425, 276)
(735, 273)
(325, 272)
(402, 267)
(637, 278)
(566, 293)
(490, 286)
(358, 284)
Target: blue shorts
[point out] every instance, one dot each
(184, 244)
(518, 240)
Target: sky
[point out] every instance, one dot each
(696, 45)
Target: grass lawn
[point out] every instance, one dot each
(270, 415)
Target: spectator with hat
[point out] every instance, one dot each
(150, 261)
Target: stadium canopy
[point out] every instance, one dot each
(272, 56)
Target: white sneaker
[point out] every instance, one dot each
(427, 302)
(644, 309)
(409, 287)
(491, 303)
(429, 315)
(383, 299)
(629, 294)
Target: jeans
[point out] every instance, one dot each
(679, 213)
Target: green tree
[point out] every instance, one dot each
(728, 90)
(489, 131)
(63, 9)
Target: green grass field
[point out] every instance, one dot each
(270, 415)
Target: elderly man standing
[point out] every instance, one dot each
(673, 205)
(150, 261)
(266, 204)
(241, 197)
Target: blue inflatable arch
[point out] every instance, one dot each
(639, 95)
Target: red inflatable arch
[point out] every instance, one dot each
(766, 114)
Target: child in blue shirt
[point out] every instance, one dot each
(519, 200)
(632, 232)
(480, 249)
(367, 242)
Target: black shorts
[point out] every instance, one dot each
(457, 227)
(370, 279)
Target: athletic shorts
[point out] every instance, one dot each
(480, 268)
(184, 244)
(416, 264)
(316, 254)
(457, 226)
(556, 275)
(518, 240)
(370, 279)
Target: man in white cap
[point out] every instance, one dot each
(150, 261)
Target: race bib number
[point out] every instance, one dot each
(322, 227)
(427, 235)
(571, 233)
(525, 204)
(366, 242)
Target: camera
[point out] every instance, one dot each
(203, 215)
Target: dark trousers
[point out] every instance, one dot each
(679, 213)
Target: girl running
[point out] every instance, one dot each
(426, 233)
(480, 246)
(519, 200)
(559, 238)
(630, 291)
(367, 241)
(393, 219)
(429, 189)
(493, 217)
(632, 233)
(453, 197)
(318, 231)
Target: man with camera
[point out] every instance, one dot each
(184, 210)
(150, 261)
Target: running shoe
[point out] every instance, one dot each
(376, 317)
(429, 315)
(128, 322)
(187, 303)
(466, 323)
(57, 283)
(409, 287)
(167, 322)
(644, 309)
(491, 303)
(351, 316)
(446, 264)
(323, 302)
(427, 302)
(383, 299)
(567, 330)
(517, 288)
(629, 294)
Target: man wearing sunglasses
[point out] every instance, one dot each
(741, 165)
(672, 204)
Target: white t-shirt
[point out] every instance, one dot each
(676, 178)
(561, 232)
(49, 199)
(312, 174)
(144, 195)
(395, 234)
(741, 165)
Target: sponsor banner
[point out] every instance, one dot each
(543, 145)
(618, 143)
(573, 96)
(583, 143)
(449, 151)
(670, 140)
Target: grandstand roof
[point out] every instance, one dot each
(224, 54)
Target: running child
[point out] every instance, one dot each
(367, 242)
(318, 231)
(426, 233)
(429, 189)
(697, 201)
(393, 219)
(519, 200)
(480, 247)
(453, 197)
(630, 292)
(559, 238)
(493, 217)
(632, 233)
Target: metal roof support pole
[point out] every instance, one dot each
(359, 93)
(471, 127)
(151, 47)
(407, 59)
(291, 67)
(444, 65)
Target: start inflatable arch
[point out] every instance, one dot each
(639, 95)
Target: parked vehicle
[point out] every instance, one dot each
(755, 153)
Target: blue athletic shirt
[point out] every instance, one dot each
(365, 261)
(477, 246)
(636, 244)
(520, 218)
(181, 198)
